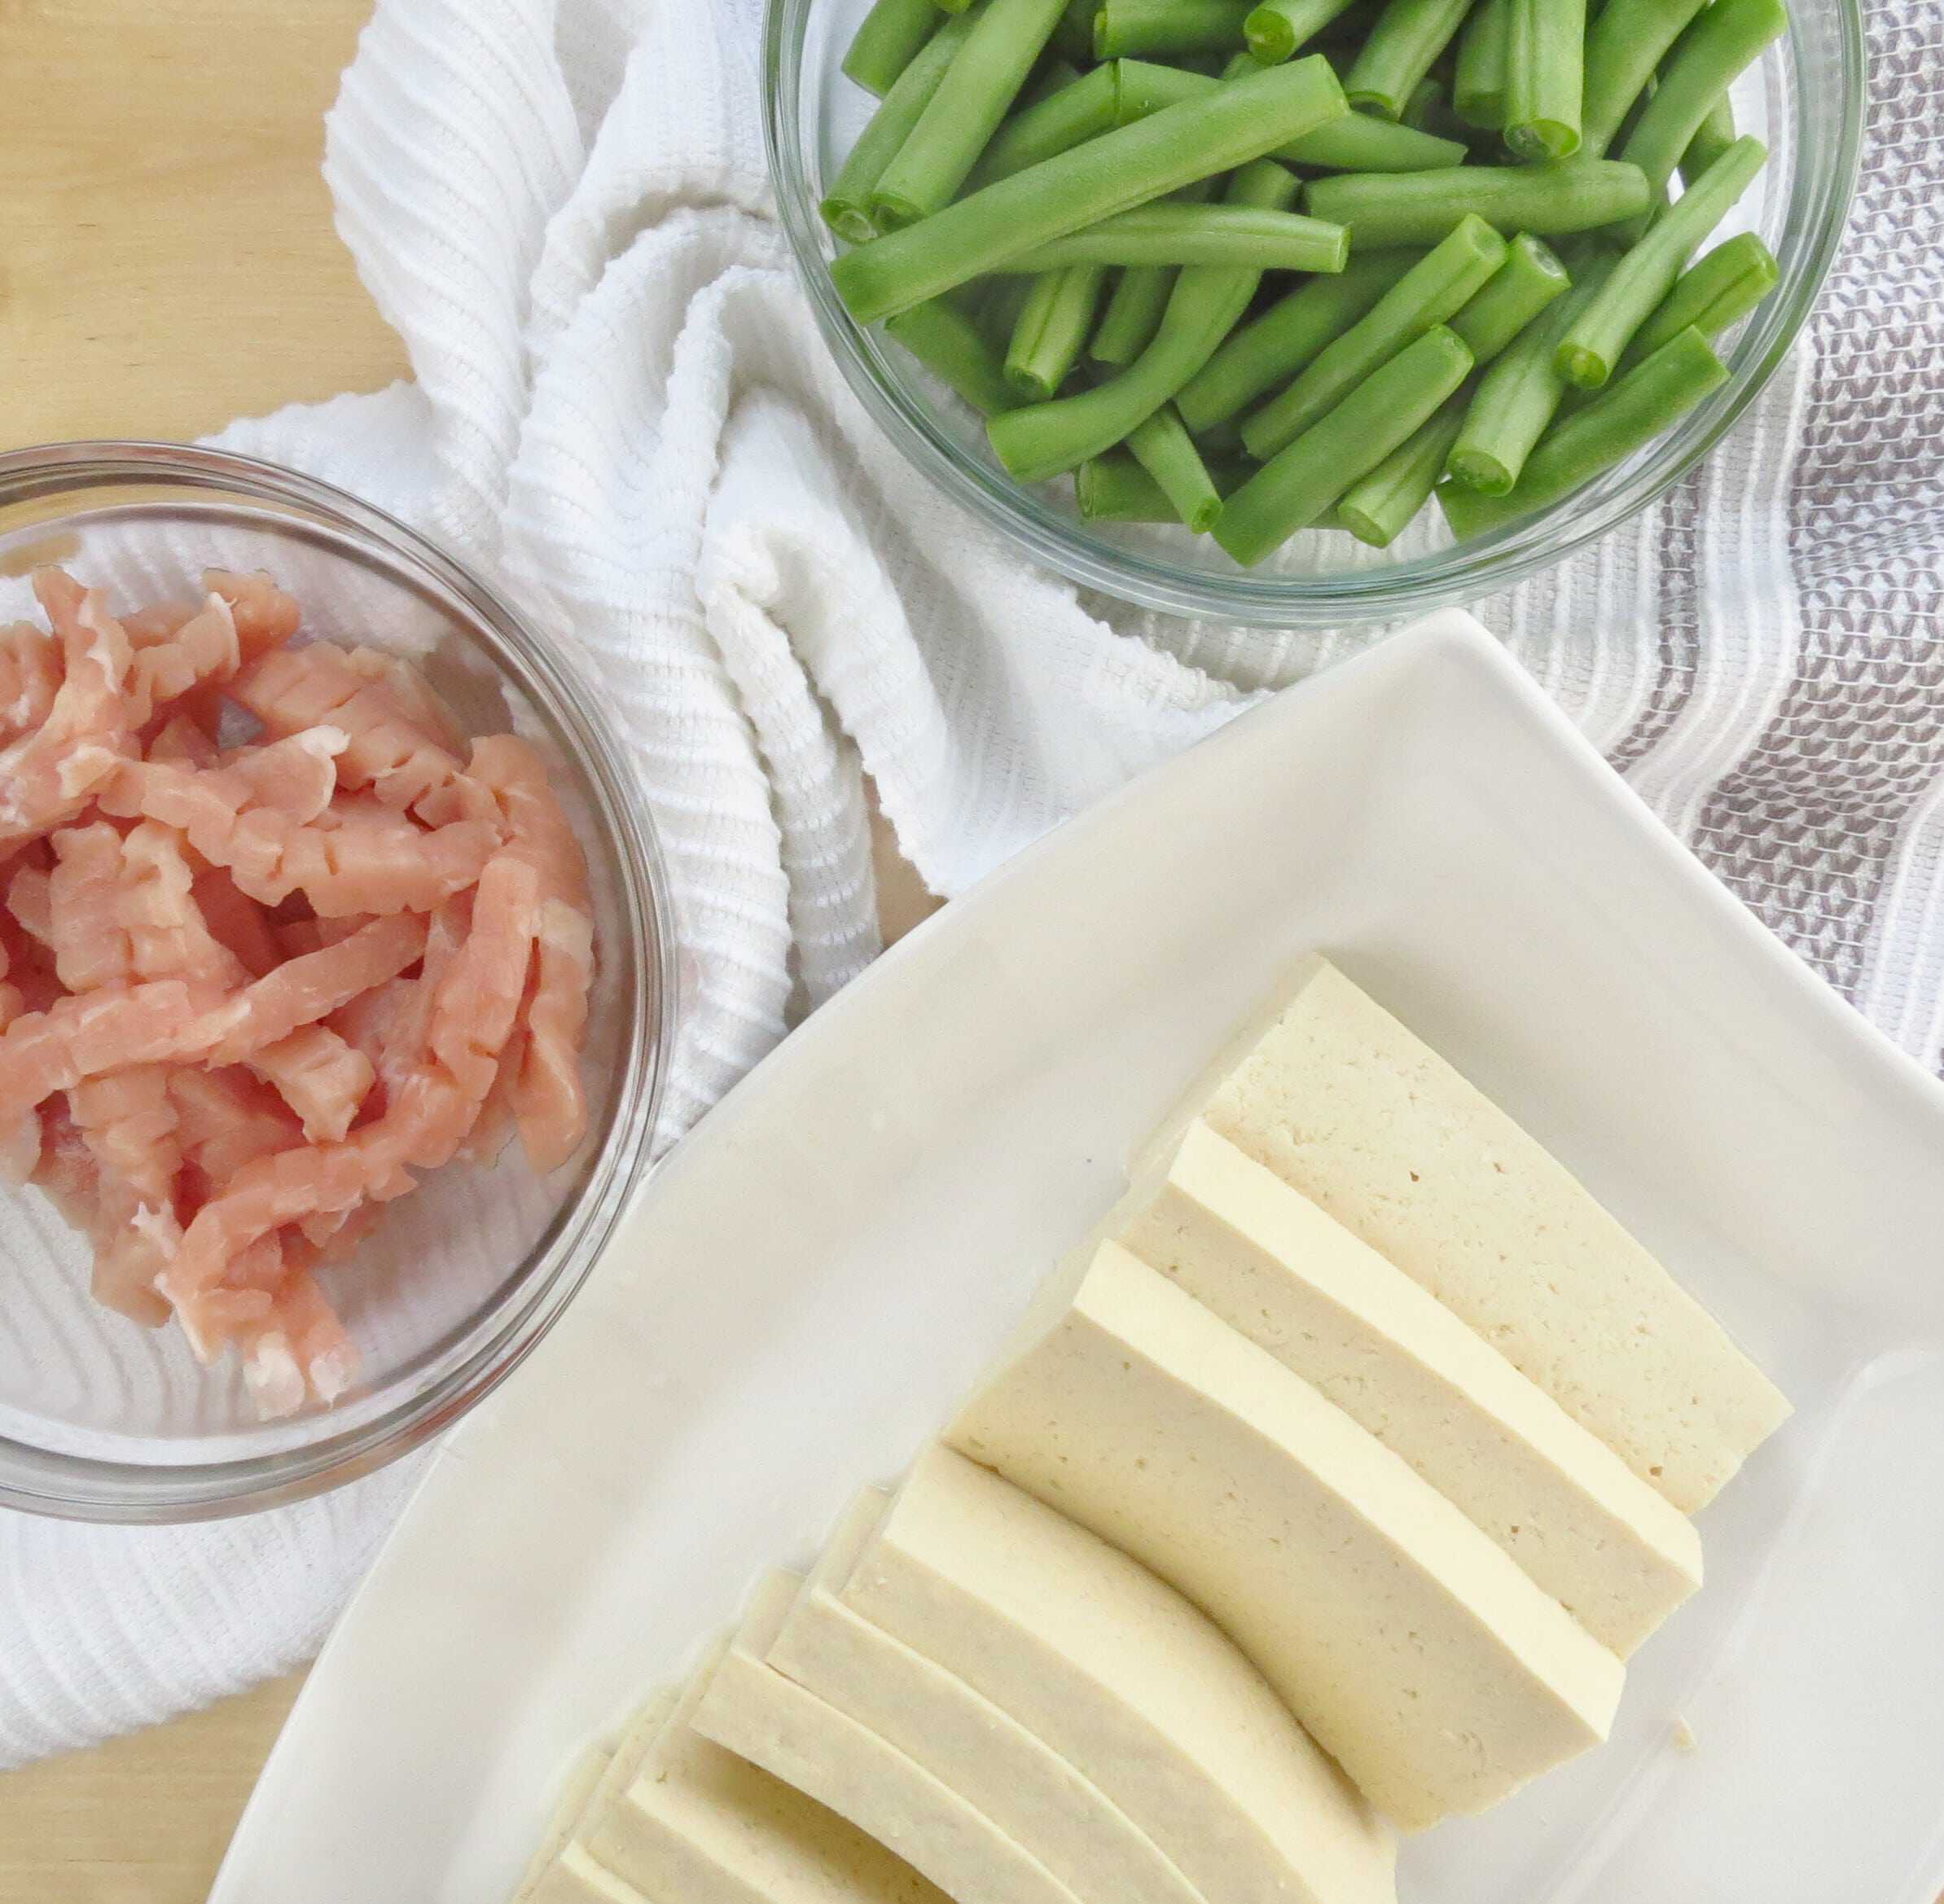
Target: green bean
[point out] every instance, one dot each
(1429, 294)
(1478, 87)
(949, 6)
(1073, 36)
(1164, 448)
(1518, 397)
(1277, 29)
(1047, 438)
(885, 45)
(1725, 37)
(951, 345)
(1409, 35)
(1422, 109)
(1089, 106)
(1196, 234)
(1385, 209)
(997, 311)
(1052, 75)
(961, 116)
(1545, 77)
(1111, 487)
(1126, 167)
(1529, 280)
(1301, 481)
(1133, 28)
(1636, 285)
(1052, 330)
(1627, 40)
(1650, 398)
(1376, 508)
(846, 206)
(1710, 295)
(1272, 348)
(1712, 138)
(1352, 142)
(1133, 314)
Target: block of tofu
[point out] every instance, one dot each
(1119, 1674)
(769, 1719)
(575, 1878)
(581, 1779)
(1037, 1798)
(1331, 1093)
(701, 1826)
(1412, 1647)
(1267, 1260)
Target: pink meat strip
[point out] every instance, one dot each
(84, 908)
(266, 617)
(226, 1118)
(201, 649)
(48, 775)
(30, 677)
(129, 1123)
(120, 909)
(390, 748)
(181, 738)
(236, 922)
(322, 1078)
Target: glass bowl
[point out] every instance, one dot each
(102, 1420)
(1805, 97)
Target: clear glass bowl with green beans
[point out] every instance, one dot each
(1297, 312)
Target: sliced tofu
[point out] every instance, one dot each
(756, 1712)
(576, 1878)
(1267, 1260)
(1029, 1792)
(701, 1826)
(1410, 1646)
(1128, 1681)
(1331, 1093)
(566, 1814)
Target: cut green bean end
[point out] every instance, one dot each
(1475, 470)
(1271, 37)
(1585, 369)
(1542, 139)
(1378, 105)
(849, 220)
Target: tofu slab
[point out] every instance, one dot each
(1038, 1799)
(756, 1713)
(1407, 1644)
(1132, 1685)
(575, 1878)
(1337, 1097)
(581, 1780)
(1272, 1264)
(701, 1826)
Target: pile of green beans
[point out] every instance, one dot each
(1253, 267)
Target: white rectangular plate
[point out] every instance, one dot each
(814, 1278)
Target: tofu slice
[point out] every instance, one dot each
(701, 1826)
(1136, 1687)
(756, 1713)
(576, 1878)
(1267, 1260)
(1035, 1798)
(581, 1779)
(1412, 1648)
(1331, 1093)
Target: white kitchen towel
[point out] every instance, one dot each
(621, 411)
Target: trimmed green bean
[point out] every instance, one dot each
(951, 345)
(1409, 35)
(1196, 234)
(1352, 142)
(1084, 110)
(1052, 75)
(1047, 438)
(1627, 40)
(1073, 36)
(960, 117)
(1422, 109)
(1277, 29)
(997, 310)
(1132, 28)
(1376, 509)
(1478, 86)
(1650, 398)
(887, 40)
(1518, 396)
(1636, 285)
(949, 6)
(1427, 296)
(1123, 168)
(1713, 293)
(846, 205)
(1113, 487)
(1725, 37)
(1545, 77)
(1298, 485)
(1712, 138)
(1529, 279)
(1272, 348)
(1133, 314)
(1164, 448)
(1385, 209)
(1052, 329)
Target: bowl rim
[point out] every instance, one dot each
(1462, 572)
(64, 1485)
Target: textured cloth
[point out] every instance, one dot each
(621, 411)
